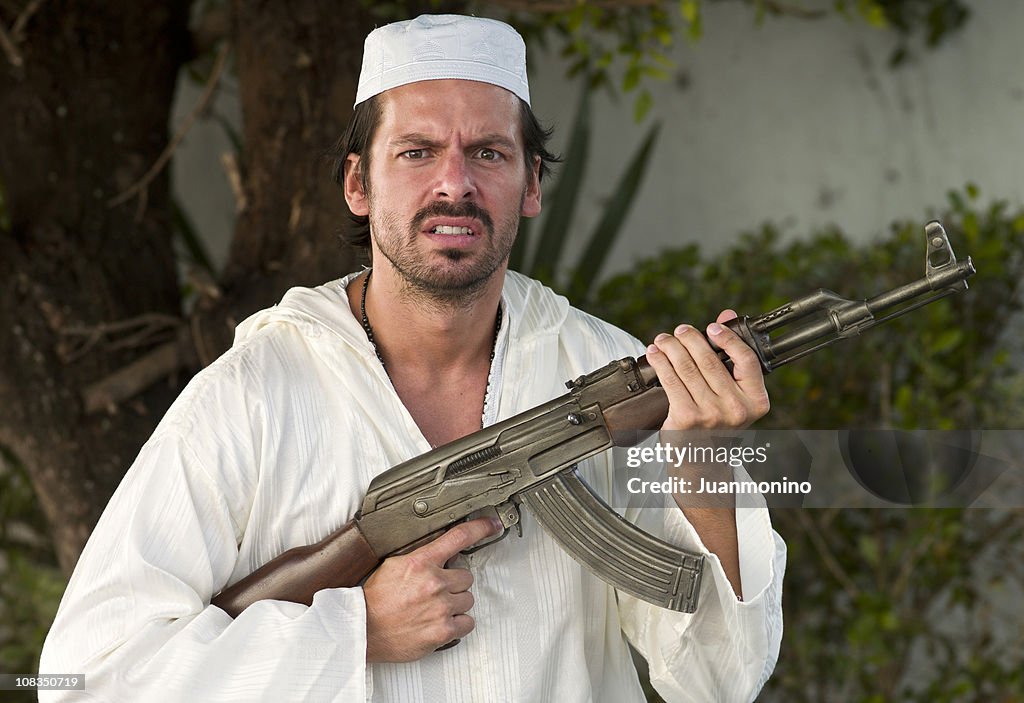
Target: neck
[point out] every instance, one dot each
(413, 331)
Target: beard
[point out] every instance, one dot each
(461, 275)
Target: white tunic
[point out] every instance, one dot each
(273, 447)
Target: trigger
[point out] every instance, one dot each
(506, 513)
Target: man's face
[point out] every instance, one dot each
(447, 184)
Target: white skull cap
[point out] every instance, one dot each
(432, 47)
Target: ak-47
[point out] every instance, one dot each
(531, 459)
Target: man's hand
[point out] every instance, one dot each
(702, 393)
(414, 604)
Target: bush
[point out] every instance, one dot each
(880, 604)
(31, 584)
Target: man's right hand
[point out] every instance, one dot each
(414, 604)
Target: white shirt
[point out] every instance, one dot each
(273, 447)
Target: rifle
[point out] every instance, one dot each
(530, 459)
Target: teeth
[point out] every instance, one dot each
(445, 229)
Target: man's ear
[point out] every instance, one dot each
(355, 194)
(532, 195)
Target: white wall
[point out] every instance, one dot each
(803, 123)
(197, 172)
(798, 122)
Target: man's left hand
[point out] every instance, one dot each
(702, 393)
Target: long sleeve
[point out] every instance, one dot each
(136, 618)
(252, 459)
(726, 650)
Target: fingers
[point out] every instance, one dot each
(462, 536)
(413, 607)
(746, 366)
(725, 316)
(457, 580)
(461, 603)
(461, 625)
(693, 361)
(701, 390)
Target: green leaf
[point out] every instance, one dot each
(696, 28)
(559, 217)
(889, 621)
(575, 18)
(631, 79)
(690, 10)
(655, 72)
(517, 257)
(873, 13)
(615, 211)
(663, 60)
(759, 12)
(869, 549)
(947, 340)
(642, 105)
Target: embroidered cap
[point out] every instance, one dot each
(432, 47)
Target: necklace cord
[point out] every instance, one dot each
(368, 328)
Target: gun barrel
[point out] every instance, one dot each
(836, 318)
(954, 278)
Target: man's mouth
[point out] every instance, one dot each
(446, 229)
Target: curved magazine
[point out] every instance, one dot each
(614, 549)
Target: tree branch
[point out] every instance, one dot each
(140, 187)
(229, 160)
(211, 29)
(566, 5)
(831, 563)
(138, 331)
(9, 41)
(139, 375)
(18, 28)
(781, 8)
(10, 49)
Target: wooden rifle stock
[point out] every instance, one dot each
(341, 560)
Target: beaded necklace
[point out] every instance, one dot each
(368, 328)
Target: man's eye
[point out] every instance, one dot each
(415, 154)
(489, 155)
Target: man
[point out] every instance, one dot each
(273, 446)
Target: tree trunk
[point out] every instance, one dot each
(297, 64)
(88, 111)
(84, 116)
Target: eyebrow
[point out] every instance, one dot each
(413, 139)
(418, 139)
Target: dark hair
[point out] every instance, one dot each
(359, 135)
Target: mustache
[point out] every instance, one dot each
(446, 209)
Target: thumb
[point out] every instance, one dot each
(462, 536)
(725, 316)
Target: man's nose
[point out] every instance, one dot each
(455, 179)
